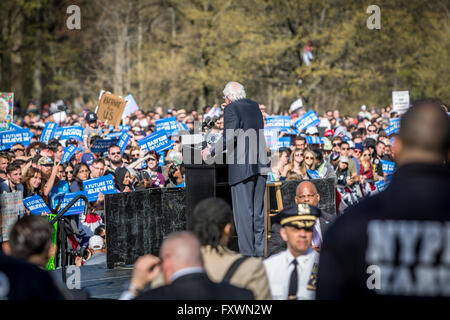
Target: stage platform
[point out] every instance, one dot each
(100, 282)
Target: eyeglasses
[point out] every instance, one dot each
(69, 172)
(371, 130)
(83, 171)
(309, 158)
(344, 149)
(336, 144)
(114, 153)
(366, 155)
(135, 155)
(152, 159)
(357, 150)
(298, 155)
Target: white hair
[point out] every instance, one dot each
(234, 91)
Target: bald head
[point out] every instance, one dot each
(425, 132)
(307, 193)
(183, 250)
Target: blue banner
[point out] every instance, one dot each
(388, 166)
(102, 145)
(125, 127)
(14, 127)
(68, 153)
(77, 208)
(113, 135)
(271, 137)
(162, 160)
(36, 205)
(395, 123)
(278, 122)
(94, 186)
(123, 141)
(290, 131)
(380, 185)
(73, 132)
(307, 120)
(167, 124)
(314, 140)
(313, 174)
(49, 131)
(9, 138)
(158, 141)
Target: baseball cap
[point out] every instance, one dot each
(359, 146)
(91, 117)
(96, 243)
(312, 130)
(329, 132)
(87, 158)
(44, 161)
(343, 159)
(340, 130)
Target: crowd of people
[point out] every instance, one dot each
(351, 151)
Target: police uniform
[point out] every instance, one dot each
(280, 267)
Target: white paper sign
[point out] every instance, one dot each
(400, 101)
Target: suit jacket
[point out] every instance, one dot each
(196, 286)
(250, 274)
(276, 243)
(244, 162)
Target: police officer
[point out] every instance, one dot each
(292, 272)
(396, 244)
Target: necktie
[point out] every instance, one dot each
(316, 241)
(293, 282)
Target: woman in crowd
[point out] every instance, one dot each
(68, 173)
(343, 178)
(123, 180)
(80, 173)
(280, 166)
(309, 163)
(158, 180)
(60, 188)
(32, 182)
(324, 169)
(295, 164)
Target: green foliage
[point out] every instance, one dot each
(182, 52)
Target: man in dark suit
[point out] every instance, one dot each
(184, 274)
(306, 192)
(243, 140)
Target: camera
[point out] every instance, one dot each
(173, 169)
(82, 252)
(143, 175)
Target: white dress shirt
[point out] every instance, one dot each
(279, 269)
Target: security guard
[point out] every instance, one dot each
(292, 273)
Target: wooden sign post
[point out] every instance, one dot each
(110, 109)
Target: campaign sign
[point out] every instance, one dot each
(73, 132)
(125, 127)
(271, 137)
(400, 101)
(380, 185)
(388, 166)
(130, 107)
(390, 130)
(307, 120)
(290, 131)
(314, 140)
(167, 124)
(36, 205)
(113, 135)
(102, 145)
(162, 160)
(278, 122)
(14, 127)
(123, 141)
(158, 141)
(77, 208)
(48, 132)
(313, 174)
(9, 138)
(94, 186)
(283, 142)
(68, 153)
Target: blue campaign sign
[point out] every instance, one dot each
(77, 208)
(283, 142)
(36, 205)
(271, 137)
(123, 141)
(94, 186)
(307, 120)
(395, 122)
(49, 131)
(11, 137)
(158, 141)
(290, 131)
(102, 145)
(125, 127)
(313, 174)
(388, 166)
(162, 160)
(380, 185)
(68, 153)
(314, 140)
(278, 122)
(167, 124)
(73, 132)
(113, 135)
